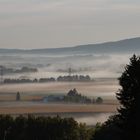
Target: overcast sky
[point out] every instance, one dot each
(65, 23)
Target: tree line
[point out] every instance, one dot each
(75, 97)
(74, 78)
(42, 128)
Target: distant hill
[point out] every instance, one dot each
(123, 46)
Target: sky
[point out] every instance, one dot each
(65, 23)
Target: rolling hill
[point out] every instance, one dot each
(123, 46)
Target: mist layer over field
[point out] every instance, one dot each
(54, 65)
(103, 69)
(92, 119)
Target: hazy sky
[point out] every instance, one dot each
(65, 23)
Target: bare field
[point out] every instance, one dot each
(57, 108)
(89, 114)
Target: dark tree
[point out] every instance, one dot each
(18, 96)
(99, 100)
(110, 130)
(125, 125)
(129, 97)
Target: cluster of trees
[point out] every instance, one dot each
(26, 80)
(25, 69)
(125, 125)
(42, 128)
(74, 78)
(13, 81)
(74, 96)
(43, 80)
(21, 70)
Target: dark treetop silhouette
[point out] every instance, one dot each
(126, 124)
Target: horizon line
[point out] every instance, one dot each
(104, 42)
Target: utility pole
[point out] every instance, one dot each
(70, 71)
(70, 77)
(1, 74)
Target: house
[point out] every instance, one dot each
(53, 98)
